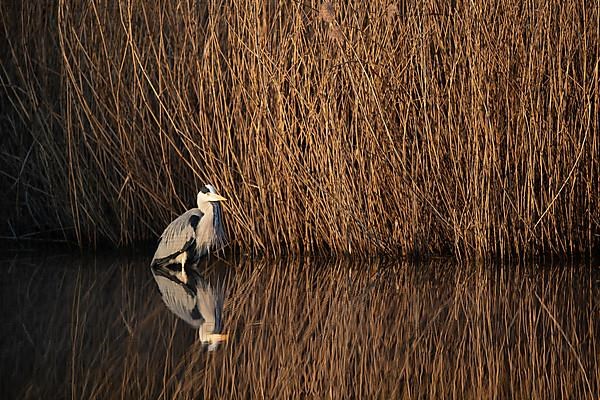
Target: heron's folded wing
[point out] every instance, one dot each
(178, 237)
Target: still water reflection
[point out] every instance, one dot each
(197, 301)
(96, 327)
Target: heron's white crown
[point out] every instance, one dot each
(211, 188)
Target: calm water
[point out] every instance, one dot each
(96, 327)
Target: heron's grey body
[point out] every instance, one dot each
(196, 302)
(193, 234)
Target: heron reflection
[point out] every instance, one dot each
(195, 301)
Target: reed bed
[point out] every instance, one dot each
(96, 328)
(464, 128)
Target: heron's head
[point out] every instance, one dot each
(210, 339)
(208, 194)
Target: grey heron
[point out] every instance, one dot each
(193, 234)
(196, 302)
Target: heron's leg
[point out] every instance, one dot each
(182, 259)
(184, 278)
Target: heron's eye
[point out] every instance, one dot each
(204, 190)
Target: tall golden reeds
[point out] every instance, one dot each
(336, 127)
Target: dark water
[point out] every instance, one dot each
(96, 327)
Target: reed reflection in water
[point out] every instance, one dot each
(97, 328)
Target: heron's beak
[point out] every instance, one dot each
(218, 337)
(215, 197)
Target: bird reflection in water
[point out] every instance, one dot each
(196, 301)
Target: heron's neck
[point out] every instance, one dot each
(206, 207)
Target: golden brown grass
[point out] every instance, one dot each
(96, 328)
(342, 127)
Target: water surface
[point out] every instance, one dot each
(95, 327)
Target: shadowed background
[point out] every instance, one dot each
(385, 127)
